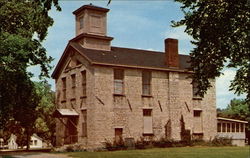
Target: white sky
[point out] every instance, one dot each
(133, 24)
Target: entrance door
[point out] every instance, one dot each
(71, 131)
(118, 135)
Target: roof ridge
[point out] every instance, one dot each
(144, 50)
(137, 49)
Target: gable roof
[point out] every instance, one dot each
(125, 57)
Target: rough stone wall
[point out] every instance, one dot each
(209, 118)
(77, 101)
(172, 97)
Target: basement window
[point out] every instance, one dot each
(197, 113)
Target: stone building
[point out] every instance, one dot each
(108, 93)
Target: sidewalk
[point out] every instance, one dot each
(34, 155)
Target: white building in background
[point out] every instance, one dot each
(36, 141)
(231, 128)
(12, 142)
(1, 143)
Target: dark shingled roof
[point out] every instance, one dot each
(125, 57)
(131, 57)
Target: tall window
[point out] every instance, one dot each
(84, 123)
(195, 90)
(148, 123)
(73, 85)
(64, 88)
(146, 83)
(118, 81)
(83, 83)
(81, 22)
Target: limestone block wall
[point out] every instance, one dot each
(209, 118)
(76, 100)
(171, 97)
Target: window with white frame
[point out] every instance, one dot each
(146, 83)
(118, 81)
(147, 121)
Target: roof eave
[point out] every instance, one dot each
(142, 67)
(60, 62)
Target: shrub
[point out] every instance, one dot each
(115, 145)
(222, 141)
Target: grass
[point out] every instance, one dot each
(184, 152)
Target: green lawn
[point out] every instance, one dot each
(185, 152)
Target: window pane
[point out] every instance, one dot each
(73, 80)
(84, 123)
(237, 127)
(118, 81)
(233, 127)
(64, 88)
(146, 77)
(147, 112)
(83, 83)
(118, 87)
(242, 128)
(146, 89)
(118, 74)
(195, 90)
(223, 127)
(147, 121)
(219, 127)
(197, 113)
(228, 127)
(64, 82)
(146, 82)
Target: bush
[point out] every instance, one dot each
(115, 145)
(70, 148)
(144, 143)
(222, 141)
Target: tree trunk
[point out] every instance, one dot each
(27, 139)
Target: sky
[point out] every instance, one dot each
(133, 24)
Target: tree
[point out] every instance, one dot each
(45, 123)
(221, 33)
(23, 27)
(237, 109)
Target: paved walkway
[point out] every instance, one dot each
(35, 155)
